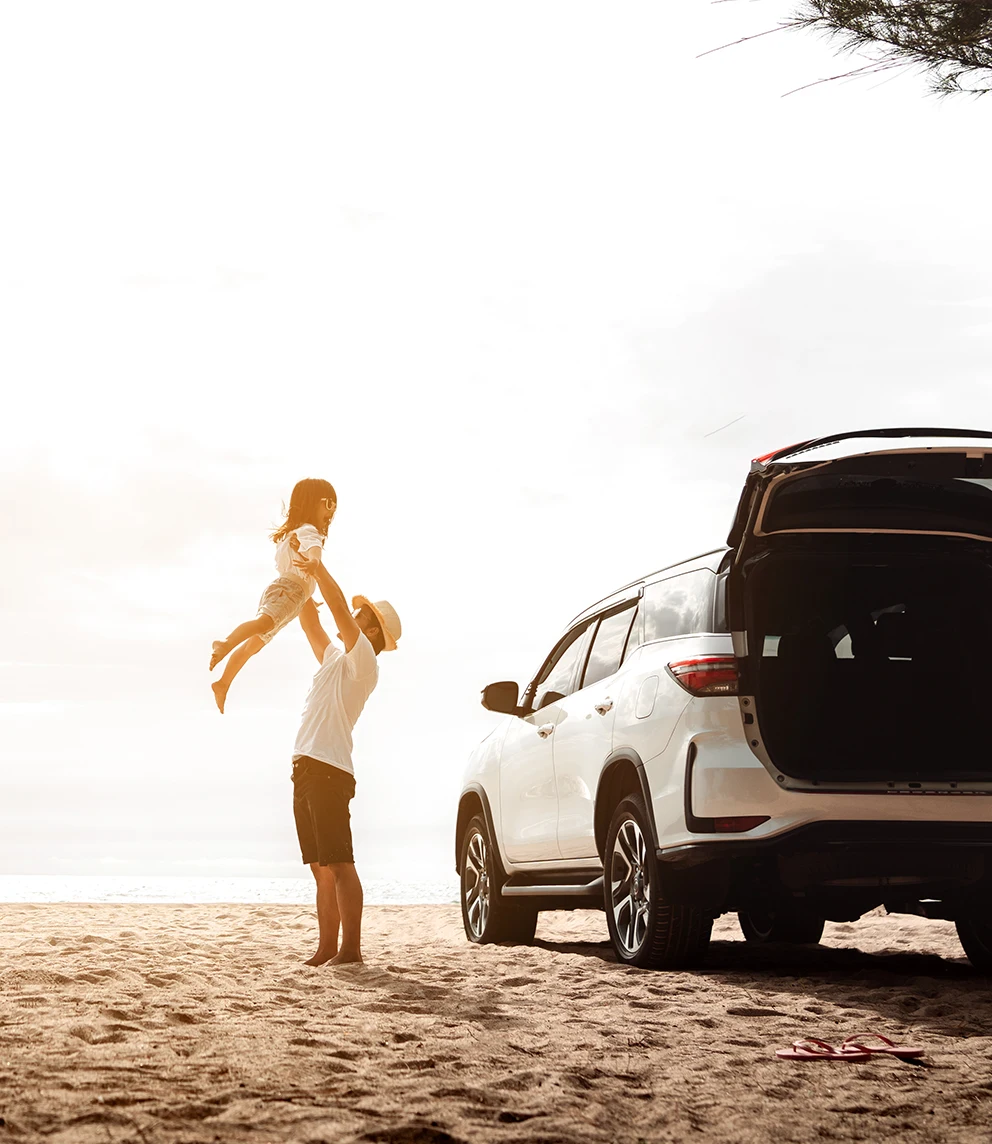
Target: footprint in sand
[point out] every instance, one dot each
(411, 1134)
(120, 1015)
(508, 1116)
(522, 1081)
(93, 1036)
(162, 980)
(14, 978)
(177, 1017)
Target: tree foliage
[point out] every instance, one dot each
(951, 40)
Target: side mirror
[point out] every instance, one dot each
(501, 697)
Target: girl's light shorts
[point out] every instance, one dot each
(282, 600)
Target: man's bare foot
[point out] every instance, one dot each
(346, 958)
(219, 649)
(220, 695)
(320, 957)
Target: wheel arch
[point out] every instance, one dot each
(622, 774)
(474, 800)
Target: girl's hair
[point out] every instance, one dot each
(303, 505)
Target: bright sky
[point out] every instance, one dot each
(501, 273)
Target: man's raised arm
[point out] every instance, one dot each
(348, 629)
(311, 625)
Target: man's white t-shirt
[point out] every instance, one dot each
(343, 683)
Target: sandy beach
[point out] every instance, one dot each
(168, 1023)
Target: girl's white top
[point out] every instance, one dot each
(308, 537)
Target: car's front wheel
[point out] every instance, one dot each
(646, 930)
(975, 934)
(486, 915)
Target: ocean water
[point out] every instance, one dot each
(166, 888)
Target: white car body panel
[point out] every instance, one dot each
(583, 739)
(528, 794)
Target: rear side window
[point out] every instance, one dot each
(607, 646)
(634, 640)
(679, 606)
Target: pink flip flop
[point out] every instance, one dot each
(904, 1052)
(811, 1049)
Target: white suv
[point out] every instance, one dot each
(795, 727)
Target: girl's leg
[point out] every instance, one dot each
(245, 631)
(234, 665)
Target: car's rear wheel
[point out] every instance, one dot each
(764, 922)
(646, 930)
(486, 915)
(975, 934)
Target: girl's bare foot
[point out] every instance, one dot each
(346, 958)
(320, 957)
(220, 694)
(219, 649)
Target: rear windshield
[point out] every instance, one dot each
(905, 501)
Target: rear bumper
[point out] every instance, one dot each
(714, 775)
(874, 839)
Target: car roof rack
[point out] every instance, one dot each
(816, 442)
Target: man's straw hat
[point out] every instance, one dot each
(385, 613)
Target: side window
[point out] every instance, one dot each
(634, 638)
(555, 680)
(607, 647)
(679, 606)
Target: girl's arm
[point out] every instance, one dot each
(312, 627)
(310, 560)
(311, 554)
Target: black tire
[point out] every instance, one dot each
(780, 921)
(486, 916)
(645, 929)
(975, 935)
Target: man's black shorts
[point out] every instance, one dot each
(321, 794)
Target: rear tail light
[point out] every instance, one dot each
(707, 675)
(738, 825)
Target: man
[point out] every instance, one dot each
(323, 775)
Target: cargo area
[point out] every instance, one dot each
(870, 658)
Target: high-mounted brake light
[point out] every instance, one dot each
(707, 675)
(738, 825)
(764, 458)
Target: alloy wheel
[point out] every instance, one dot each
(475, 885)
(630, 886)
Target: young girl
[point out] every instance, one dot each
(311, 508)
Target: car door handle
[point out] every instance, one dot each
(545, 730)
(606, 705)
